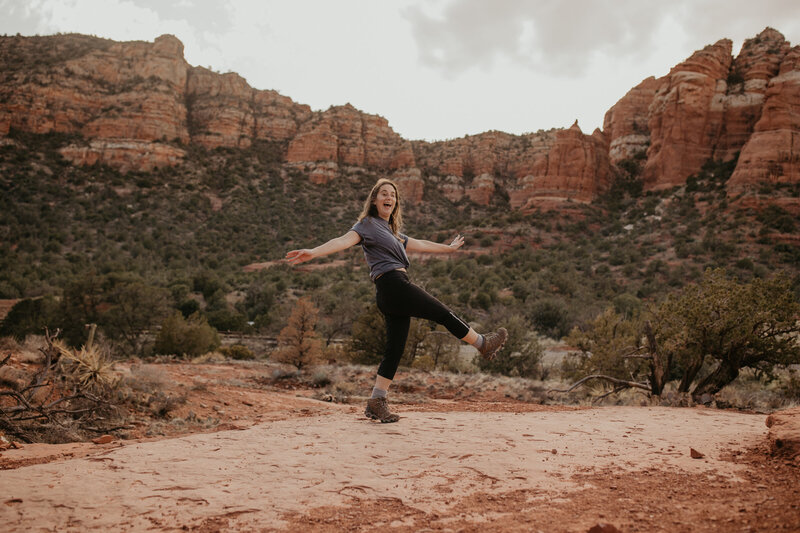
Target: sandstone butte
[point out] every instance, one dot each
(139, 105)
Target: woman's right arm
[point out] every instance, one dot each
(351, 238)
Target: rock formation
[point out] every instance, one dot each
(758, 61)
(345, 136)
(772, 153)
(625, 124)
(126, 96)
(138, 105)
(714, 106)
(686, 116)
(225, 111)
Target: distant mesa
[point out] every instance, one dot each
(140, 105)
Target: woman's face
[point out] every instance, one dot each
(385, 201)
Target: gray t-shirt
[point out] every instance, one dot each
(382, 250)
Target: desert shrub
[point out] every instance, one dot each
(29, 317)
(89, 368)
(551, 317)
(186, 337)
(601, 346)
(790, 384)
(239, 352)
(423, 362)
(188, 307)
(161, 403)
(368, 338)
(522, 353)
(627, 305)
(227, 320)
(776, 218)
(320, 379)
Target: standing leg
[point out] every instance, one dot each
(396, 336)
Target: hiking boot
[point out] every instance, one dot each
(378, 409)
(492, 343)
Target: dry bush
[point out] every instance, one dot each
(148, 389)
(750, 391)
(146, 378)
(239, 352)
(210, 357)
(89, 368)
(790, 385)
(68, 396)
(320, 378)
(9, 344)
(423, 362)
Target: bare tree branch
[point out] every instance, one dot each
(624, 383)
(609, 393)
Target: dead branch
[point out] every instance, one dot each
(29, 407)
(609, 393)
(624, 383)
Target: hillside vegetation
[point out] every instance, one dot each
(162, 260)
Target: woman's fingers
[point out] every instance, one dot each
(297, 256)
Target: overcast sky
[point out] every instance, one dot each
(436, 69)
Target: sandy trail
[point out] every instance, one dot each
(428, 460)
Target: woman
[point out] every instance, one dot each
(378, 232)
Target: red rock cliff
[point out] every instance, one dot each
(625, 124)
(686, 115)
(137, 105)
(772, 153)
(126, 97)
(714, 106)
(225, 111)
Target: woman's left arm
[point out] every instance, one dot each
(419, 245)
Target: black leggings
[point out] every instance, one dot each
(399, 300)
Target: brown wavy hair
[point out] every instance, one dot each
(370, 210)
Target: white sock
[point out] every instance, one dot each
(479, 342)
(378, 393)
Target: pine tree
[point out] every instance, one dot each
(298, 342)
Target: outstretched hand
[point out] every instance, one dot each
(458, 242)
(295, 257)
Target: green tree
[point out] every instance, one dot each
(339, 307)
(131, 307)
(717, 324)
(602, 347)
(368, 339)
(729, 325)
(441, 347)
(81, 304)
